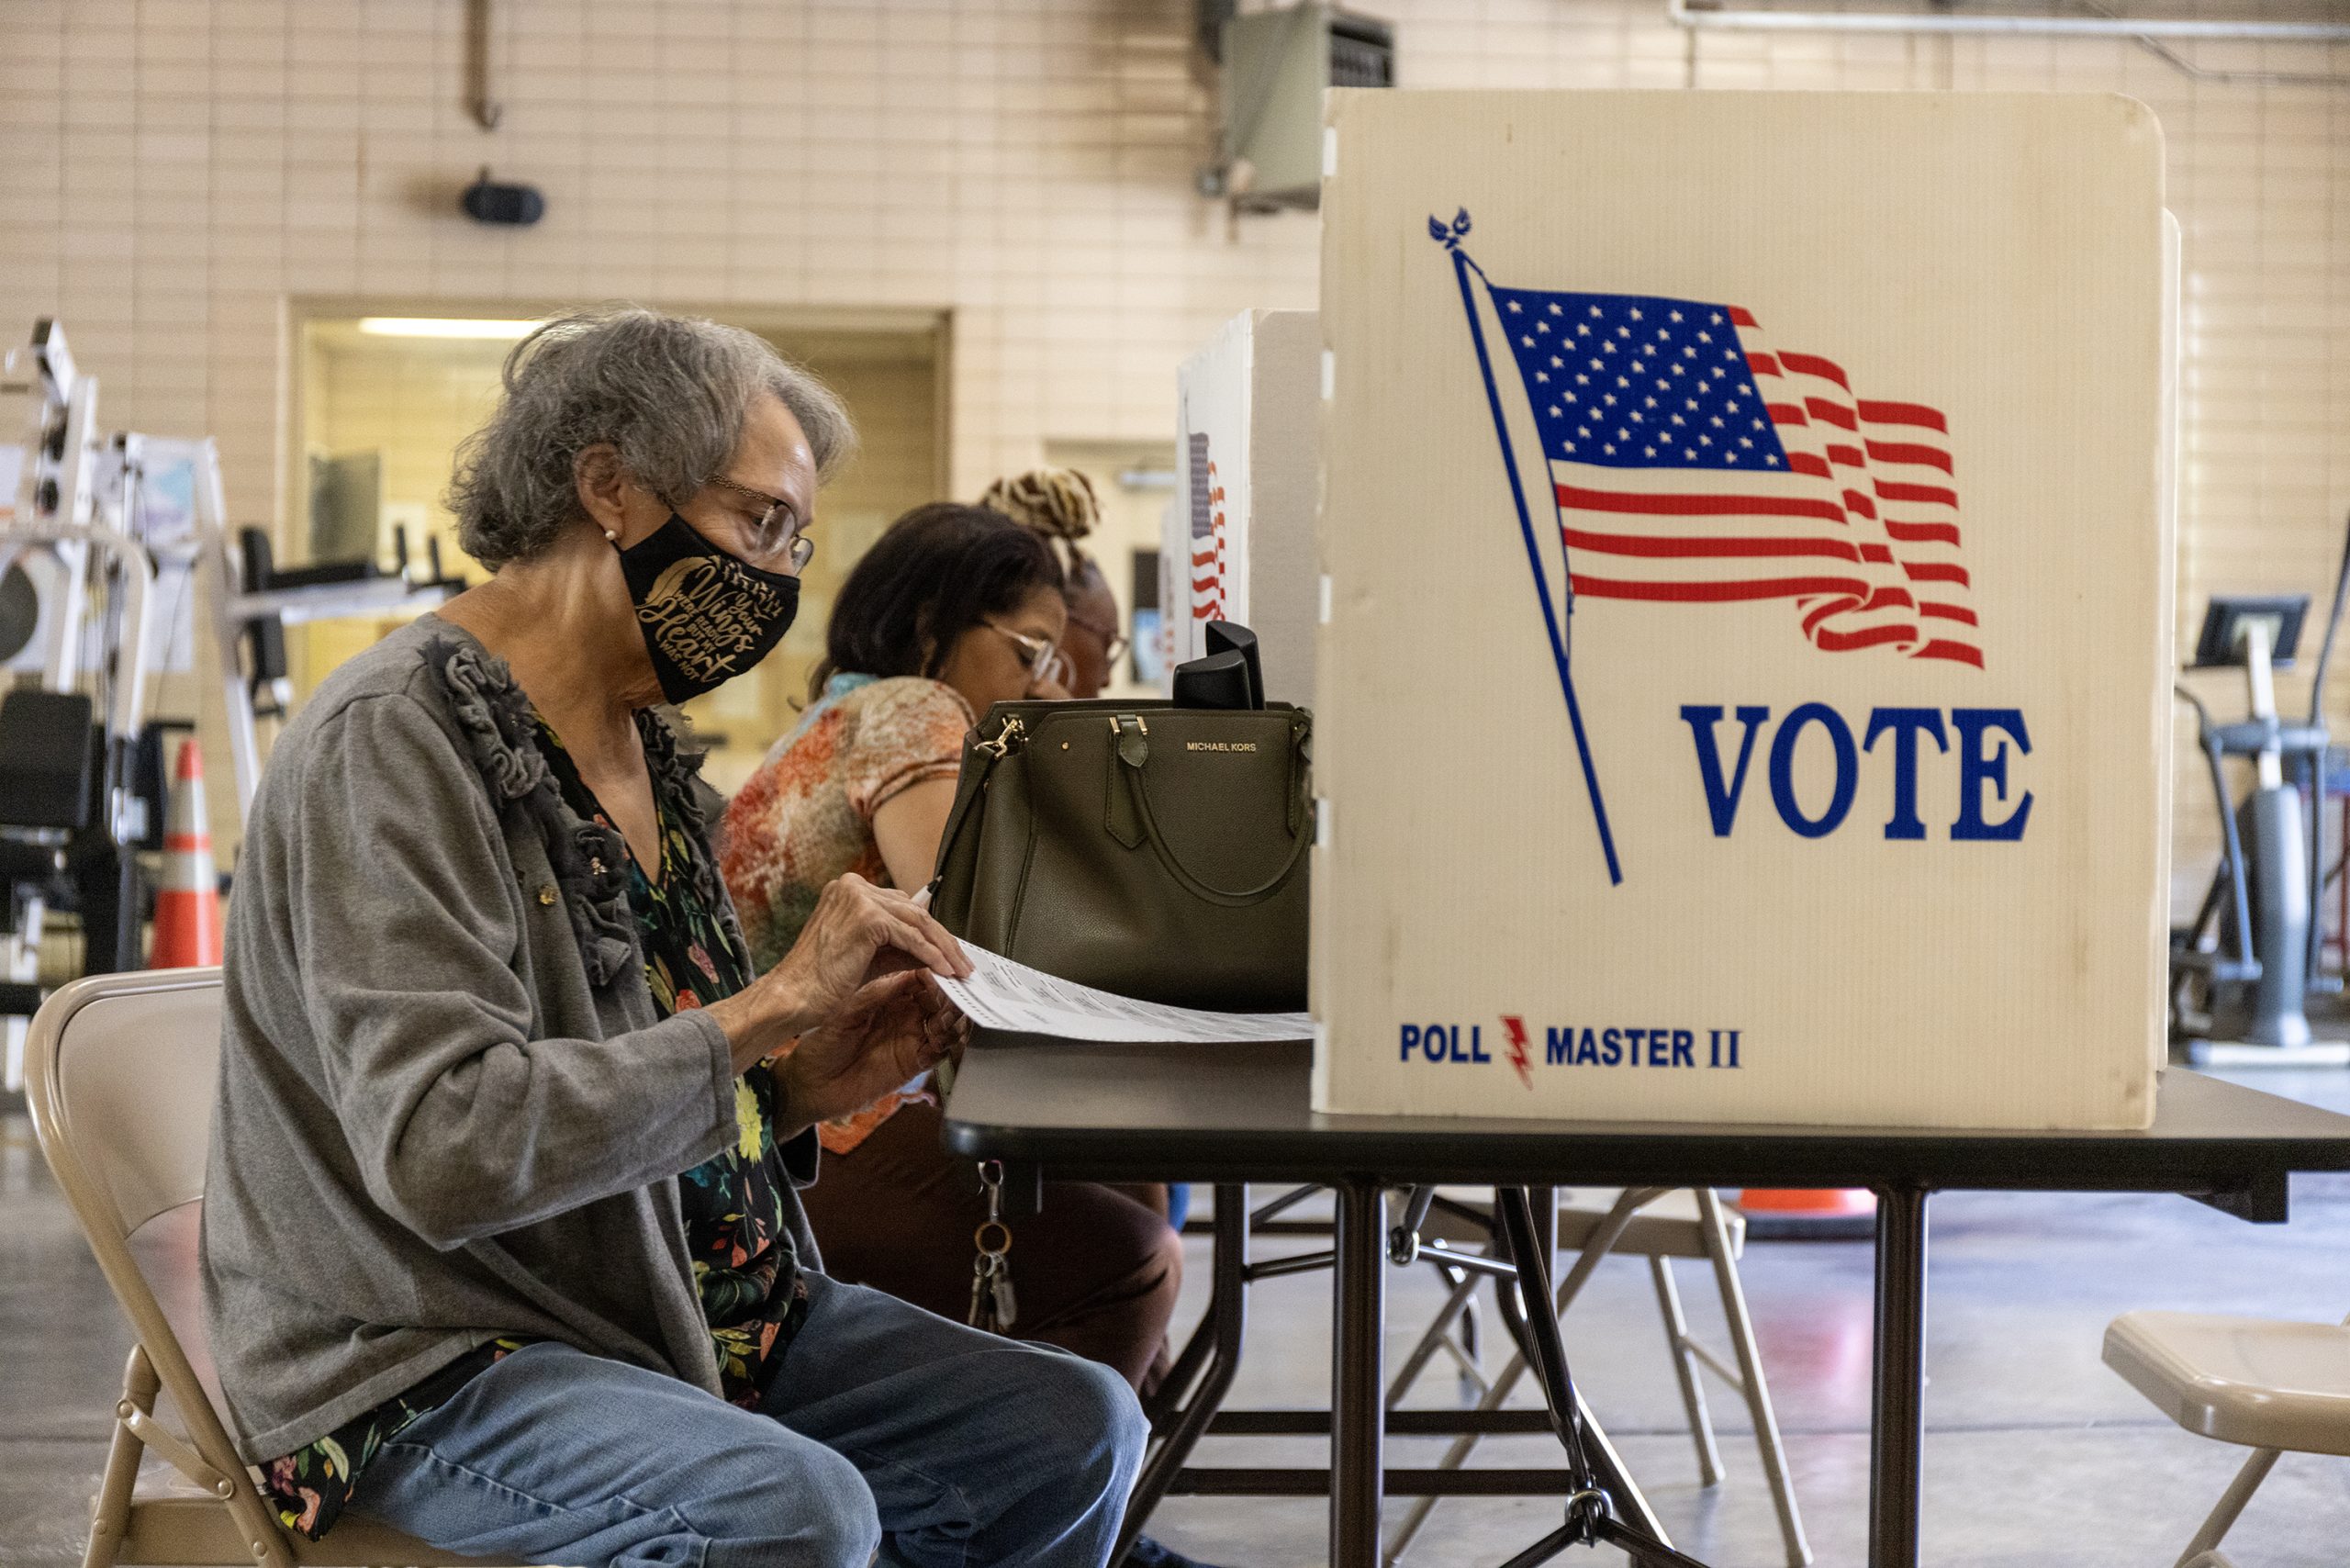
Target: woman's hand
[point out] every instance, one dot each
(857, 934)
(890, 1033)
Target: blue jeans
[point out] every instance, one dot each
(886, 1428)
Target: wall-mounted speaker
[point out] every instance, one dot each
(486, 201)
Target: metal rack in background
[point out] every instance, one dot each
(80, 779)
(71, 817)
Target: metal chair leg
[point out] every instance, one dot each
(1752, 1383)
(2203, 1551)
(1464, 1286)
(1684, 1368)
(110, 1514)
(137, 1431)
(1468, 1373)
(1602, 1241)
(1461, 1338)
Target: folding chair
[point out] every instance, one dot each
(120, 1084)
(1659, 1224)
(2269, 1385)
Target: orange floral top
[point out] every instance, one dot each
(806, 817)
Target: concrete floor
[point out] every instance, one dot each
(2036, 1455)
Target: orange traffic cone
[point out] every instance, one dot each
(187, 904)
(1782, 1214)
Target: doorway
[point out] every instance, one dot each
(384, 391)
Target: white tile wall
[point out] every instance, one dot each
(171, 171)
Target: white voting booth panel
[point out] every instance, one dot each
(1240, 542)
(1744, 689)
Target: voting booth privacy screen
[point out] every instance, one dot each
(1240, 535)
(1743, 684)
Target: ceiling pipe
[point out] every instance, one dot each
(1699, 15)
(481, 96)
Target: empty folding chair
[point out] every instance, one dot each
(2269, 1385)
(120, 1082)
(1660, 1225)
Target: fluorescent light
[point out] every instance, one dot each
(446, 327)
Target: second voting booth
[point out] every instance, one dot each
(1743, 674)
(1238, 542)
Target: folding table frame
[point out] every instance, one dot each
(1188, 1404)
(1229, 1115)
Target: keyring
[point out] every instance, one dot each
(979, 1237)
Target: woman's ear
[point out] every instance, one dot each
(926, 640)
(602, 488)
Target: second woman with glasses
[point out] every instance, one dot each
(954, 608)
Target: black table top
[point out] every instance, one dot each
(1240, 1112)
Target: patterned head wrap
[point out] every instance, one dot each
(1058, 503)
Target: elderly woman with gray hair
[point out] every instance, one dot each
(502, 1242)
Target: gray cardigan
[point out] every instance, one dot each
(446, 1111)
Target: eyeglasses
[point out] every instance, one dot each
(1113, 642)
(779, 527)
(1038, 656)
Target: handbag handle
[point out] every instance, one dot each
(1134, 750)
(966, 795)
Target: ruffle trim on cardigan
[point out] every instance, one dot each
(588, 860)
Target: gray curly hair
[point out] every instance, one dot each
(669, 392)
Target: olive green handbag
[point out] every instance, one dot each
(1154, 851)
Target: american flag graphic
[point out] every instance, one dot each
(1692, 461)
(1689, 461)
(1206, 534)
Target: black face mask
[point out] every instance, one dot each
(707, 616)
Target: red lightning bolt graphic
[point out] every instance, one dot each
(1517, 1056)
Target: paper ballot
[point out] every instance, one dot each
(1001, 994)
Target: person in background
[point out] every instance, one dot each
(1059, 504)
(502, 1231)
(954, 608)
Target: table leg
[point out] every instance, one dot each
(1543, 1203)
(1227, 1324)
(1898, 1432)
(1606, 1493)
(1358, 1411)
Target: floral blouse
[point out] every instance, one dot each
(733, 1201)
(806, 817)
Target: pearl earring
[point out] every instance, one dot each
(610, 538)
